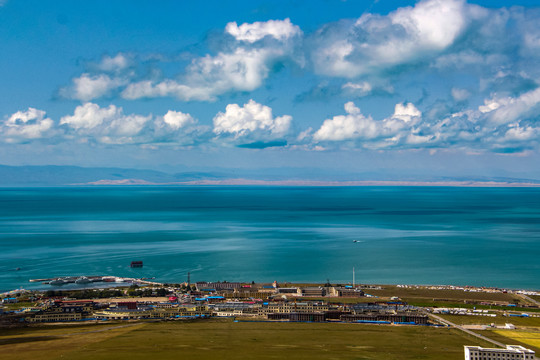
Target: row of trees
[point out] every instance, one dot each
(86, 294)
(184, 287)
(134, 290)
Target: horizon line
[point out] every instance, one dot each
(314, 183)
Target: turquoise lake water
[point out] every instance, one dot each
(413, 235)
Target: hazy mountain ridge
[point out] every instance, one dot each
(52, 175)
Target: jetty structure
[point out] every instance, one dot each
(83, 280)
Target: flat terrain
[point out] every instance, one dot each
(225, 339)
(530, 338)
(498, 320)
(412, 294)
(514, 337)
(421, 296)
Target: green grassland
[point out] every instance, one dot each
(437, 298)
(339, 300)
(498, 320)
(413, 293)
(422, 293)
(508, 337)
(452, 298)
(530, 338)
(225, 339)
(19, 305)
(440, 304)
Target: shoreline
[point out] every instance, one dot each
(127, 282)
(311, 183)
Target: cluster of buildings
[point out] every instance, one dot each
(483, 289)
(268, 302)
(311, 311)
(463, 311)
(261, 291)
(232, 299)
(512, 352)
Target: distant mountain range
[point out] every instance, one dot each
(74, 175)
(27, 176)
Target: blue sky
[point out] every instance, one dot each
(431, 88)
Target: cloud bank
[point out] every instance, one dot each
(502, 124)
(442, 35)
(484, 63)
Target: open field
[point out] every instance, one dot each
(498, 320)
(527, 337)
(53, 341)
(422, 302)
(18, 305)
(436, 298)
(421, 293)
(508, 337)
(340, 300)
(412, 293)
(225, 339)
(472, 306)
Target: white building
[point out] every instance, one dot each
(512, 352)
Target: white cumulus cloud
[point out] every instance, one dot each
(116, 63)
(277, 29)
(376, 42)
(509, 109)
(400, 129)
(505, 125)
(110, 125)
(253, 121)
(178, 119)
(89, 116)
(517, 133)
(107, 125)
(434, 24)
(359, 89)
(26, 125)
(178, 128)
(88, 87)
(210, 76)
(406, 112)
(241, 66)
(345, 127)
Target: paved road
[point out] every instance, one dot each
(444, 321)
(529, 299)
